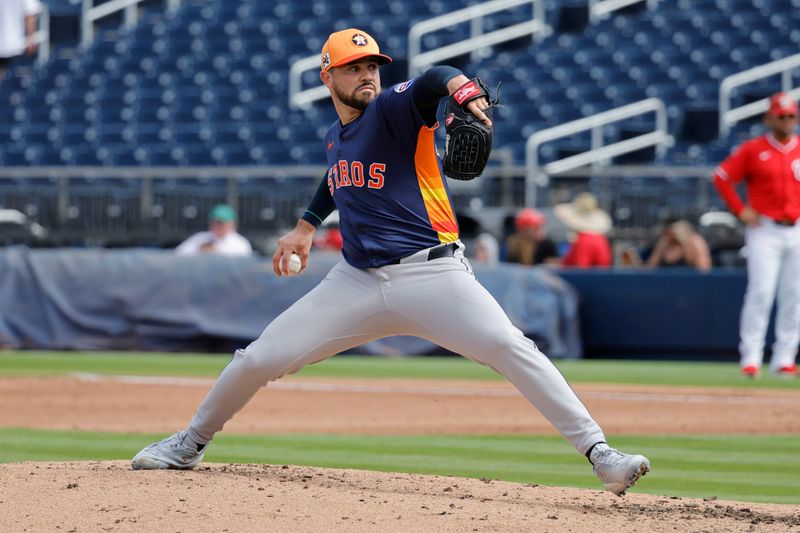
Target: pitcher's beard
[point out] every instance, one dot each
(355, 100)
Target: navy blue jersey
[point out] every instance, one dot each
(387, 183)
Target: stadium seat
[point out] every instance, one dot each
(208, 84)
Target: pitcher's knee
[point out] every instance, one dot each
(268, 364)
(511, 343)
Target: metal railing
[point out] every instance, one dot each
(729, 116)
(117, 207)
(600, 9)
(536, 175)
(301, 98)
(147, 174)
(42, 36)
(418, 60)
(91, 13)
(298, 97)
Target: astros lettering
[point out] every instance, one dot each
(351, 174)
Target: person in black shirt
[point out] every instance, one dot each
(529, 244)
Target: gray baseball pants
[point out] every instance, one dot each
(438, 300)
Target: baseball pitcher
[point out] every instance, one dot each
(404, 270)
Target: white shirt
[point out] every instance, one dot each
(12, 25)
(232, 244)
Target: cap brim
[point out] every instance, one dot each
(782, 111)
(380, 58)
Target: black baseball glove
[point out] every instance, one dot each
(469, 141)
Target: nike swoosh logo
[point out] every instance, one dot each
(330, 145)
(764, 156)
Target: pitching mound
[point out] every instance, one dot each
(108, 496)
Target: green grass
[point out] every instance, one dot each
(581, 371)
(746, 468)
(118, 363)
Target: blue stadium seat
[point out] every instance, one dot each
(178, 86)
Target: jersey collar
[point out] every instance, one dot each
(775, 143)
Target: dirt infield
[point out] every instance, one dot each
(108, 496)
(394, 407)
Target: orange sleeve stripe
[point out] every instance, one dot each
(445, 226)
(434, 194)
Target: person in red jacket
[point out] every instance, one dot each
(583, 216)
(770, 166)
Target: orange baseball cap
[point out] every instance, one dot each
(782, 104)
(350, 45)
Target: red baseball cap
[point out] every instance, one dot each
(350, 45)
(529, 218)
(781, 104)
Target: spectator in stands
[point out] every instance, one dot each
(529, 244)
(17, 24)
(329, 236)
(590, 224)
(487, 250)
(681, 245)
(220, 239)
(770, 165)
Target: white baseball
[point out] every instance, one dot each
(294, 264)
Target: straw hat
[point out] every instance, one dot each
(583, 215)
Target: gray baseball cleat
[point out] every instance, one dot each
(618, 471)
(178, 452)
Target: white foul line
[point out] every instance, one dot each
(373, 388)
